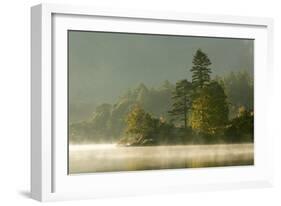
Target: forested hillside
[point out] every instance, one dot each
(108, 121)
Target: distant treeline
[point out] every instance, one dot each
(200, 111)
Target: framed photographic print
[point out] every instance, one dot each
(137, 102)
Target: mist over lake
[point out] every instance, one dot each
(111, 158)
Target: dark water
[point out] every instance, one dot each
(109, 157)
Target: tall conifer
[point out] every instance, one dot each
(200, 69)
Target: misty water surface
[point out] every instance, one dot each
(89, 158)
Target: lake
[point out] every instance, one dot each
(89, 158)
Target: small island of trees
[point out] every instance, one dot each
(197, 111)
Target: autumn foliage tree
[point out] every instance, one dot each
(209, 112)
(139, 123)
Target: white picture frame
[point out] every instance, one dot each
(49, 178)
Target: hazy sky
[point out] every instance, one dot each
(102, 66)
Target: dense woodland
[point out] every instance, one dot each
(202, 110)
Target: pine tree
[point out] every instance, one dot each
(200, 69)
(181, 100)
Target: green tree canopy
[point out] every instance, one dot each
(241, 128)
(209, 111)
(200, 69)
(181, 100)
(139, 122)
